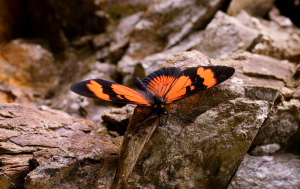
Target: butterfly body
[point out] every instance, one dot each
(158, 89)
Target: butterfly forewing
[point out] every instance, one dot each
(196, 79)
(205, 77)
(110, 91)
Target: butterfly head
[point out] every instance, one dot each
(159, 105)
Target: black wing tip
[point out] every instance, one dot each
(224, 72)
(81, 88)
(229, 71)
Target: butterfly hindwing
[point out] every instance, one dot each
(173, 84)
(162, 81)
(110, 91)
(203, 77)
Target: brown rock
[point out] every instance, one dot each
(27, 70)
(57, 146)
(225, 35)
(277, 41)
(117, 119)
(254, 8)
(200, 143)
(164, 25)
(14, 169)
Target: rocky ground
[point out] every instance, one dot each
(243, 133)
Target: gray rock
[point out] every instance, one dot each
(258, 8)
(164, 25)
(268, 149)
(225, 35)
(277, 171)
(277, 41)
(281, 125)
(201, 154)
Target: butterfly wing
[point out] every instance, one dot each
(173, 84)
(110, 91)
(162, 81)
(196, 79)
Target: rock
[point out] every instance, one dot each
(277, 171)
(268, 149)
(281, 126)
(225, 35)
(154, 62)
(267, 67)
(83, 12)
(164, 25)
(31, 73)
(79, 106)
(277, 41)
(290, 9)
(275, 16)
(121, 36)
(117, 119)
(14, 169)
(201, 142)
(255, 8)
(50, 146)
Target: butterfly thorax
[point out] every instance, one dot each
(158, 105)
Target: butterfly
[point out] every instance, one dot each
(160, 88)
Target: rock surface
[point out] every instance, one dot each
(47, 45)
(51, 148)
(172, 152)
(277, 171)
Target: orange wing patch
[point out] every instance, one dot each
(208, 75)
(130, 94)
(161, 85)
(97, 89)
(179, 88)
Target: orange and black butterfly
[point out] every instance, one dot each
(158, 89)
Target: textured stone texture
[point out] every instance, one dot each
(58, 43)
(255, 8)
(278, 171)
(170, 151)
(158, 29)
(30, 74)
(53, 148)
